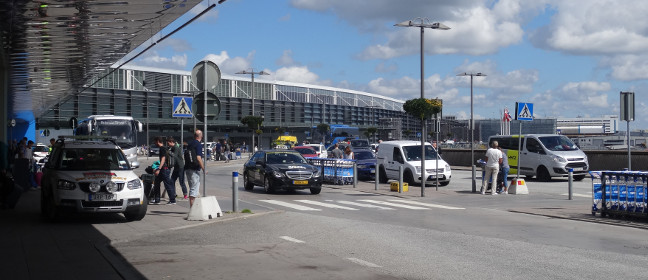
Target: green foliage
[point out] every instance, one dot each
(252, 122)
(248, 211)
(258, 131)
(422, 108)
(323, 128)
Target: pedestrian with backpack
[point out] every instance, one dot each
(193, 165)
(178, 167)
(162, 174)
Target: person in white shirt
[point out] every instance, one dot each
(493, 161)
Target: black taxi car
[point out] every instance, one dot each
(281, 169)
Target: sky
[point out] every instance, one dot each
(569, 58)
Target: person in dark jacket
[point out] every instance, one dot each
(178, 167)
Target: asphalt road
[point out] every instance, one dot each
(356, 233)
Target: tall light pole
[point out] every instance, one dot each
(423, 23)
(252, 73)
(472, 128)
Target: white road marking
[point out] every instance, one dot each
(361, 262)
(427, 204)
(364, 205)
(393, 204)
(290, 205)
(288, 238)
(323, 204)
(578, 195)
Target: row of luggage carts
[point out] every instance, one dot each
(619, 193)
(336, 171)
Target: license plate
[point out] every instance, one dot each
(300, 182)
(432, 177)
(101, 196)
(578, 169)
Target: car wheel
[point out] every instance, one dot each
(316, 190)
(408, 177)
(247, 184)
(267, 186)
(382, 176)
(579, 177)
(543, 174)
(138, 213)
(49, 211)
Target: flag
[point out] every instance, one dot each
(507, 117)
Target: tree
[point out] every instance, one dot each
(252, 122)
(422, 108)
(323, 129)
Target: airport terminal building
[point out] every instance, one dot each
(146, 94)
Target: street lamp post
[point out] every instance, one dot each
(252, 73)
(423, 23)
(472, 128)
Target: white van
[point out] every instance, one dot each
(544, 155)
(393, 154)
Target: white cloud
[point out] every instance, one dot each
(231, 65)
(297, 74)
(574, 99)
(154, 59)
(286, 59)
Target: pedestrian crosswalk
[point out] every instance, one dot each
(387, 205)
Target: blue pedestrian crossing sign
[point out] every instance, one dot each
(182, 107)
(524, 111)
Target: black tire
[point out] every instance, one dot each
(408, 178)
(246, 183)
(49, 211)
(267, 186)
(579, 177)
(138, 213)
(382, 176)
(543, 174)
(316, 190)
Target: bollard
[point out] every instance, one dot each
(400, 179)
(355, 174)
(235, 191)
(377, 177)
(571, 179)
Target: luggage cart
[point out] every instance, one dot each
(335, 171)
(619, 193)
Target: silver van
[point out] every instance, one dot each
(543, 155)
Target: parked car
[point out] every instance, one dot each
(92, 176)
(320, 149)
(365, 164)
(306, 151)
(281, 169)
(359, 143)
(154, 150)
(393, 154)
(40, 152)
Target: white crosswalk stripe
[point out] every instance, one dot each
(578, 195)
(393, 204)
(366, 205)
(290, 205)
(427, 204)
(327, 205)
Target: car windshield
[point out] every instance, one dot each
(316, 148)
(360, 155)
(41, 149)
(558, 143)
(359, 143)
(413, 153)
(305, 151)
(92, 159)
(284, 158)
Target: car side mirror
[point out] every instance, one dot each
(135, 164)
(260, 162)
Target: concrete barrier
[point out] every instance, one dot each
(204, 208)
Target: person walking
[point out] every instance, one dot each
(193, 171)
(348, 154)
(162, 175)
(505, 170)
(336, 152)
(493, 161)
(178, 166)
